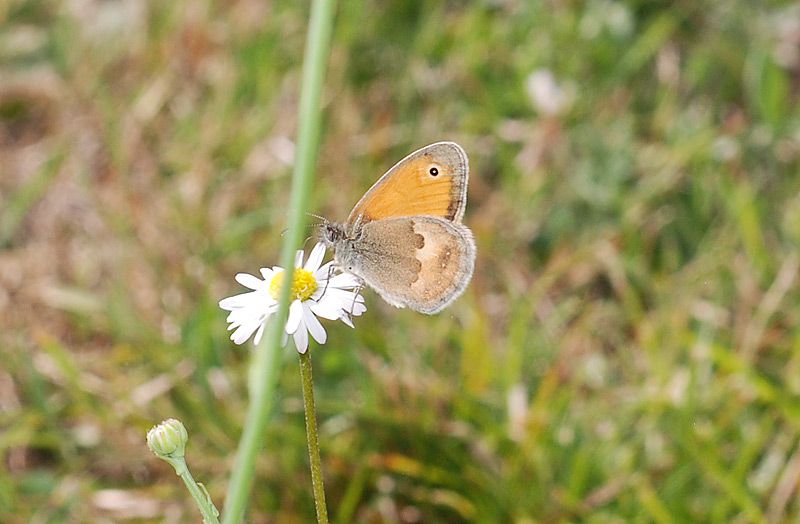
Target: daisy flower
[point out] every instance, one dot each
(317, 291)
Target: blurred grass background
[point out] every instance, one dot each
(628, 350)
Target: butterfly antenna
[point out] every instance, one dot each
(322, 219)
(283, 232)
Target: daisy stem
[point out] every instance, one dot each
(313, 437)
(264, 370)
(198, 492)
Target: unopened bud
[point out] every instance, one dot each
(168, 439)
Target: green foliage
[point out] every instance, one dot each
(628, 350)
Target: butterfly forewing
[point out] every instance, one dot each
(431, 182)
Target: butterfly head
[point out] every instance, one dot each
(332, 233)
(336, 236)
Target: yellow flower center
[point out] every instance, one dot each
(303, 287)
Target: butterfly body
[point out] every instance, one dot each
(405, 238)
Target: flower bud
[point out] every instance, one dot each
(168, 439)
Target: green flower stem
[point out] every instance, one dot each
(198, 492)
(313, 438)
(265, 364)
(168, 442)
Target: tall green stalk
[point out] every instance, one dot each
(264, 369)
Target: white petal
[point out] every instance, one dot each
(325, 272)
(338, 293)
(345, 281)
(313, 325)
(235, 317)
(252, 300)
(315, 258)
(249, 281)
(332, 294)
(347, 320)
(342, 299)
(240, 314)
(234, 302)
(259, 332)
(295, 316)
(244, 331)
(358, 309)
(301, 339)
(267, 273)
(298, 258)
(239, 337)
(325, 309)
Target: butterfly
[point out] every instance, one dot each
(404, 238)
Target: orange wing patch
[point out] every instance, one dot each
(431, 181)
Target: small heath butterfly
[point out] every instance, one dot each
(404, 238)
